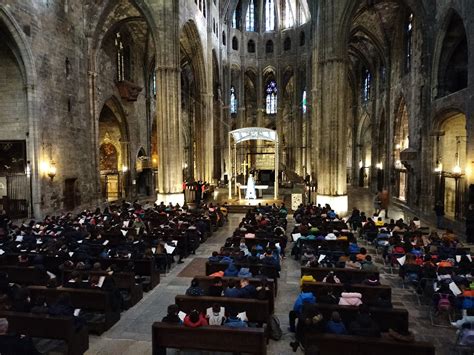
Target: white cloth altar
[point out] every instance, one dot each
(250, 192)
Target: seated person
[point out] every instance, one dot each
(13, 344)
(335, 325)
(215, 315)
(303, 298)
(195, 289)
(349, 298)
(372, 280)
(327, 296)
(246, 289)
(310, 320)
(368, 265)
(231, 290)
(233, 321)
(231, 271)
(195, 319)
(331, 278)
(362, 255)
(352, 263)
(364, 325)
(215, 290)
(172, 316)
(214, 258)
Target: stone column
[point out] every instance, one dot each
(207, 134)
(168, 97)
(331, 114)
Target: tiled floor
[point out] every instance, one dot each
(132, 334)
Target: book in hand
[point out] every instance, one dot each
(101, 281)
(77, 311)
(243, 316)
(181, 315)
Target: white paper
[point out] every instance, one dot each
(51, 275)
(39, 241)
(2, 252)
(243, 316)
(129, 255)
(19, 238)
(76, 312)
(181, 315)
(101, 281)
(136, 242)
(454, 289)
(401, 260)
(82, 221)
(105, 218)
(321, 258)
(124, 232)
(71, 253)
(175, 242)
(126, 224)
(278, 245)
(153, 250)
(169, 249)
(80, 241)
(106, 242)
(296, 236)
(469, 257)
(458, 258)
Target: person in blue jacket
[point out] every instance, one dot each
(303, 298)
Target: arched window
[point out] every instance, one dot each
(288, 18)
(251, 46)
(272, 98)
(234, 19)
(270, 15)
(153, 83)
(235, 44)
(120, 57)
(233, 101)
(250, 17)
(223, 38)
(304, 102)
(237, 16)
(287, 44)
(408, 42)
(367, 84)
(269, 46)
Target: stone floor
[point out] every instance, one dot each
(132, 334)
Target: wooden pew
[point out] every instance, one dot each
(209, 338)
(330, 344)
(386, 318)
(369, 293)
(25, 275)
(44, 326)
(85, 299)
(339, 244)
(206, 281)
(257, 311)
(319, 273)
(123, 281)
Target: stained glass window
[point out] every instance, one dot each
(272, 98)
(120, 57)
(289, 20)
(250, 18)
(409, 42)
(233, 101)
(367, 85)
(304, 102)
(270, 15)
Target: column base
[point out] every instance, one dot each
(339, 204)
(173, 198)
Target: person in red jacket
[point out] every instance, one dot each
(195, 319)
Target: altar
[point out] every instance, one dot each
(258, 189)
(243, 135)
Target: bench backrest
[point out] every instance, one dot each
(345, 275)
(25, 275)
(257, 311)
(369, 293)
(329, 344)
(255, 269)
(211, 338)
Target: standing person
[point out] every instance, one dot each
(198, 193)
(439, 211)
(377, 204)
(470, 224)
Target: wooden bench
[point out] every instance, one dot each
(330, 344)
(369, 293)
(386, 318)
(355, 276)
(123, 280)
(208, 338)
(25, 275)
(206, 281)
(257, 311)
(87, 300)
(340, 244)
(47, 327)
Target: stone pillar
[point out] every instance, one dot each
(168, 103)
(207, 130)
(331, 114)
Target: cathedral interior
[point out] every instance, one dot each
(111, 100)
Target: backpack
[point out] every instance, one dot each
(274, 329)
(466, 337)
(443, 303)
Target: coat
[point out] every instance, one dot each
(350, 299)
